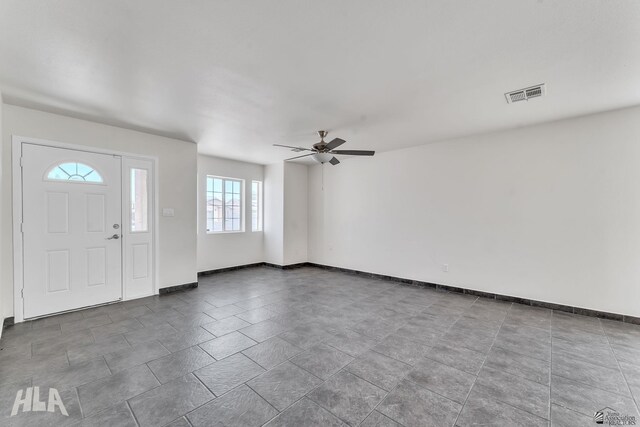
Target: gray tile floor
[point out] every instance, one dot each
(311, 347)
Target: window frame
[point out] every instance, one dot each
(51, 168)
(132, 206)
(224, 179)
(259, 209)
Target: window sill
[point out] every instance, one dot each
(224, 232)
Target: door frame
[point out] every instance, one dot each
(18, 246)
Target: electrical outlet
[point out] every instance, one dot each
(445, 268)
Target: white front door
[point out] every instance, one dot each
(72, 229)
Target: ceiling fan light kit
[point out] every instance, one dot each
(322, 157)
(324, 152)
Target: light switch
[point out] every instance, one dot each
(168, 212)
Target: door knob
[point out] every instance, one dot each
(115, 236)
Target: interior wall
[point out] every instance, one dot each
(274, 213)
(2, 311)
(295, 219)
(222, 250)
(548, 212)
(177, 186)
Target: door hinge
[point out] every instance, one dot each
(21, 161)
(22, 293)
(22, 227)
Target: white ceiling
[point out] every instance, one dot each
(236, 76)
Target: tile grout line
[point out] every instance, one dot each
(253, 339)
(217, 397)
(520, 409)
(387, 393)
(595, 363)
(154, 376)
(263, 398)
(482, 366)
(75, 390)
(205, 386)
(633, 397)
(524, 410)
(594, 387)
(325, 381)
(132, 413)
(107, 364)
(404, 377)
(161, 384)
(306, 395)
(264, 367)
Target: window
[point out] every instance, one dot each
(256, 205)
(74, 171)
(224, 204)
(139, 200)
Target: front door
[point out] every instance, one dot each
(71, 229)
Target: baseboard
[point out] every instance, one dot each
(441, 287)
(9, 321)
(257, 264)
(225, 269)
(500, 297)
(177, 288)
(288, 266)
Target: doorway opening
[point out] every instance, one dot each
(84, 227)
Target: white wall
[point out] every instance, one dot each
(2, 239)
(550, 212)
(285, 213)
(274, 213)
(177, 184)
(295, 213)
(227, 249)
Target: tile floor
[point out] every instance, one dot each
(311, 347)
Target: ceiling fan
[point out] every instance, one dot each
(323, 152)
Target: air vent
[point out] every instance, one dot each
(525, 94)
(516, 96)
(536, 91)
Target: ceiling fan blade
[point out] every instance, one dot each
(354, 152)
(334, 161)
(334, 143)
(304, 155)
(293, 148)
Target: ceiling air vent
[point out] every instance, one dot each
(525, 94)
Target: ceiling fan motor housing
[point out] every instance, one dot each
(320, 146)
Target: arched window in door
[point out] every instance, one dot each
(74, 171)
